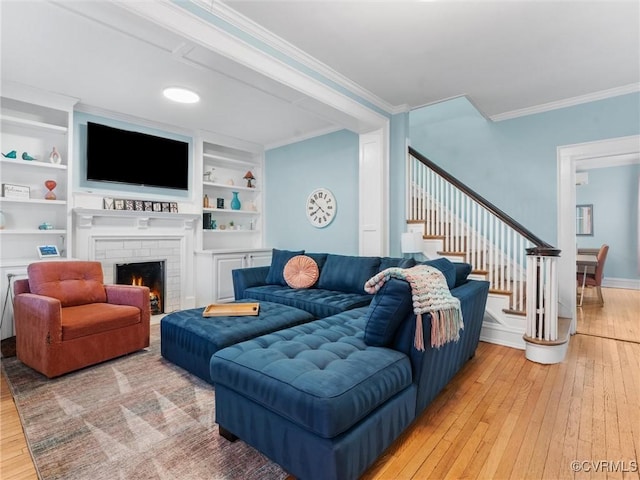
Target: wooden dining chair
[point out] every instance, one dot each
(594, 280)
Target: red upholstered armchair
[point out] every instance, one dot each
(67, 319)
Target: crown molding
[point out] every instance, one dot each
(567, 102)
(277, 43)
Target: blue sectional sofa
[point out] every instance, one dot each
(340, 286)
(325, 399)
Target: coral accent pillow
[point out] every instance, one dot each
(301, 272)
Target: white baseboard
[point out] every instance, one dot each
(626, 283)
(502, 335)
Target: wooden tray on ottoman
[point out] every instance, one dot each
(231, 309)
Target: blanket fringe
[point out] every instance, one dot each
(430, 294)
(418, 340)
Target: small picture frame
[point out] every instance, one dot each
(138, 206)
(10, 190)
(47, 251)
(173, 206)
(220, 203)
(108, 203)
(118, 203)
(165, 206)
(128, 204)
(148, 206)
(157, 207)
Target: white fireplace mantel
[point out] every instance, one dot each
(112, 236)
(88, 218)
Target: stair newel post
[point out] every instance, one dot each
(542, 301)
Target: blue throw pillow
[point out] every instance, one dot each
(319, 258)
(347, 274)
(390, 305)
(279, 259)
(462, 272)
(389, 262)
(447, 268)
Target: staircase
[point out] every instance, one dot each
(457, 223)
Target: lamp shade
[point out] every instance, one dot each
(411, 242)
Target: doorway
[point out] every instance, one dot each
(568, 158)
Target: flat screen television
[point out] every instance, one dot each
(134, 158)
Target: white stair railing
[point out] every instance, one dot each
(485, 237)
(469, 231)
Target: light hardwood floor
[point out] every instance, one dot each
(502, 416)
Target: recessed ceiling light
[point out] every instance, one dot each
(181, 95)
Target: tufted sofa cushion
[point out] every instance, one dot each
(78, 283)
(320, 375)
(319, 302)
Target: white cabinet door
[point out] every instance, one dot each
(259, 259)
(8, 275)
(223, 266)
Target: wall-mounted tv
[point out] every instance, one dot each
(134, 158)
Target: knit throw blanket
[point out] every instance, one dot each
(430, 294)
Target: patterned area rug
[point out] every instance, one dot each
(136, 417)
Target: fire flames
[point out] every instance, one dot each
(154, 294)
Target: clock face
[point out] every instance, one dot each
(321, 207)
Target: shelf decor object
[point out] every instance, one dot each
(11, 154)
(26, 156)
(249, 178)
(10, 190)
(50, 184)
(235, 202)
(55, 157)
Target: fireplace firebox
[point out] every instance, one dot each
(148, 274)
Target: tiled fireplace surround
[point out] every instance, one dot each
(112, 237)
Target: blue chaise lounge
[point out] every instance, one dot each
(326, 398)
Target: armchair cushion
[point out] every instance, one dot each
(83, 320)
(73, 283)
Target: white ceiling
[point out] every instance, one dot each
(506, 56)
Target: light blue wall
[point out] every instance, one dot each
(614, 194)
(292, 172)
(513, 163)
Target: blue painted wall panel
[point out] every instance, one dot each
(292, 172)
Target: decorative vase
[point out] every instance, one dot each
(235, 201)
(55, 157)
(50, 184)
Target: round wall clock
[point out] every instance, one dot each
(321, 207)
